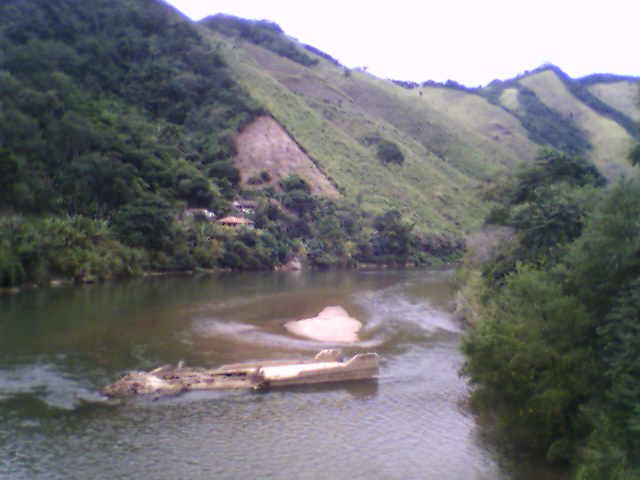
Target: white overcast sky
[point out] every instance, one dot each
(470, 41)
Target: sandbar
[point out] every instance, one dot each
(332, 324)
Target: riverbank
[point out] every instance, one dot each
(59, 282)
(294, 266)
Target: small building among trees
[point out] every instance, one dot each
(200, 214)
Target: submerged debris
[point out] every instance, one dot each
(325, 367)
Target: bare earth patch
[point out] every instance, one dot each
(332, 324)
(265, 145)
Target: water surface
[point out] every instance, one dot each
(58, 346)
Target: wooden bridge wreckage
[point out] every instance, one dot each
(325, 367)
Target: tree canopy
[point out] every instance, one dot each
(555, 352)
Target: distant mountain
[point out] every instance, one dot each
(595, 116)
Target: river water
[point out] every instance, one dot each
(58, 346)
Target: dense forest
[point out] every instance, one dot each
(116, 118)
(555, 350)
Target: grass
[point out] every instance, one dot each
(509, 99)
(623, 95)
(452, 140)
(327, 123)
(486, 127)
(611, 143)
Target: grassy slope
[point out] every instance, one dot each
(623, 95)
(610, 141)
(509, 99)
(456, 126)
(499, 135)
(451, 140)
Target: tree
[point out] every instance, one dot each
(94, 183)
(298, 201)
(394, 236)
(607, 255)
(613, 445)
(634, 155)
(552, 218)
(546, 204)
(530, 358)
(389, 152)
(553, 167)
(146, 222)
(295, 182)
(9, 174)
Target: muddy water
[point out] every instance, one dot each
(57, 347)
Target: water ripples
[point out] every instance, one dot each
(410, 424)
(392, 320)
(43, 383)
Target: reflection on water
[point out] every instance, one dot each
(59, 346)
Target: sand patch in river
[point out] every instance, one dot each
(333, 324)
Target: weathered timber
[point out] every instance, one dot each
(325, 367)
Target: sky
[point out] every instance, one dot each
(469, 41)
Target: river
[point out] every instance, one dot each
(58, 346)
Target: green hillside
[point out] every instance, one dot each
(544, 124)
(594, 116)
(620, 93)
(330, 134)
(329, 111)
(610, 141)
(120, 118)
(110, 103)
(453, 138)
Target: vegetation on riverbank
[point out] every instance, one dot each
(555, 350)
(151, 235)
(119, 117)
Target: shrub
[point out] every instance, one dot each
(146, 223)
(265, 176)
(386, 151)
(389, 152)
(295, 182)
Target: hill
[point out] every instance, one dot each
(621, 93)
(122, 120)
(332, 112)
(609, 131)
(453, 138)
